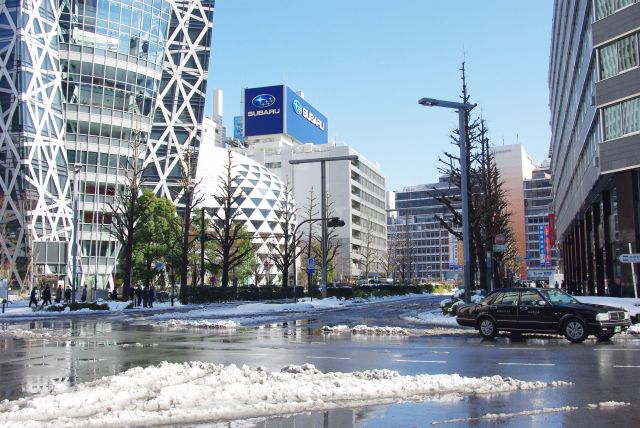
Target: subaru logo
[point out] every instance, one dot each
(297, 107)
(263, 100)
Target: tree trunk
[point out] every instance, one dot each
(184, 264)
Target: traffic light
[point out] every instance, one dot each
(335, 222)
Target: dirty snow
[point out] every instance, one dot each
(634, 329)
(608, 404)
(379, 331)
(215, 324)
(188, 393)
(435, 317)
(33, 334)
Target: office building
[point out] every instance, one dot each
(87, 88)
(415, 233)
(280, 125)
(515, 166)
(539, 220)
(594, 82)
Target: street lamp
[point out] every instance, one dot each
(323, 205)
(462, 109)
(74, 249)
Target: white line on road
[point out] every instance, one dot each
(524, 349)
(422, 361)
(526, 364)
(245, 353)
(327, 358)
(628, 367)
(318, 343)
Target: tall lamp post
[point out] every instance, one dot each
(323, 205)
(74, 248)
(462, 109)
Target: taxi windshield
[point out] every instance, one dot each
(557, 296)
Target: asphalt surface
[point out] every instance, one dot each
(599, 371)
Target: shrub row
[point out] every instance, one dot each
(77, 306)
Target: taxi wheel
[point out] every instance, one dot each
(487, 328)
(575, 330)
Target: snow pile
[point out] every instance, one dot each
(492, 416)
(196, 392)
(608, 404)
(634, 329)
(379, 331)
(335, 329)
(217, 324)
(432, 318)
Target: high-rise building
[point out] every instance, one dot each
(515, 166)
(280, 125)
(539, 220)
(594, 82)
(418, 242)
(82, 84)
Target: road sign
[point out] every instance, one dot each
(499, 248)
(629, 258)
(500, 239)
(311, 265)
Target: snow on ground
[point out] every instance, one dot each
(188, 393)
(336, 329)
(634, 329)
(494, 416)
(33, 334)
(215, 324)
(628, 304)
(379, 331)
(435, 317)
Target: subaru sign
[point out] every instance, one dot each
(264, 110)
(304, 122)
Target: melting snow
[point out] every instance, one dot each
(379, 331)
(187, 393)
(217, 324)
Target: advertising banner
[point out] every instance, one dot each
(238, 131)
(552, 228)
(541, 243)
(455, 252)
(263, 110)
(547, 244)
(304, 122)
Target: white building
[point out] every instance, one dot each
(356, 191)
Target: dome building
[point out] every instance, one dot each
(263, 197)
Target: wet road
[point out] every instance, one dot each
(82, 350)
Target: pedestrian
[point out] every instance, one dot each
(145, 296)
(132, 295)
(563, 285)
(34, 297)
(67, 295)
(139, 295)
(114, 294)
(47, 295)
(615, 288)
(84, 294)
(556, 285)
(59, 294)
(152, 295)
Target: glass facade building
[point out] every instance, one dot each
(91, 74)
(594, 82)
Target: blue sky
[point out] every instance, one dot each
(365, 63)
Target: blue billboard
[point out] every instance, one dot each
(278, 110)
(238, 130)
(304, 122)
(264, 110)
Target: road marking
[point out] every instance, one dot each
(318, 343)
(245, 353)
(422, 361)
(525, 349)
(616, 349)
(526, 364)
(327, 358)
(628, 367)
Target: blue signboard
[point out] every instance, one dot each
(264, 110)
(311, 265)
(541, 242)
(304, 122)
(238, 132)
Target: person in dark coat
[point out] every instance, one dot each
(59, 294)
(67, 295)
(132, 295)
(84, 294)
(139, 295)
(145, 296)
(46, 299)
(34, 297)
(152, 295)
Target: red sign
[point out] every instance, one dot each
(547, 243)
(500, 239)
(552, 228)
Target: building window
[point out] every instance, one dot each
(631, 116)
(618, 56)
(612, 128)
(605, 8)
(622, 119)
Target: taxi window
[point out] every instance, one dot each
(529, 298)
(507, 298)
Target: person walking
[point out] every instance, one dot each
(34, 297)
(46, 299)
(84, 294)
(67, 295)
(145, 296)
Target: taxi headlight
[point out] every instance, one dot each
(627, 316)
(603, 316)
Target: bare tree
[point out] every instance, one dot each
(333, 244)
(284, 252)
(370, 256)
(310, 212)
(124, 208)
(227, 229)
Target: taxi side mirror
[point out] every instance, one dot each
(542, 303)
